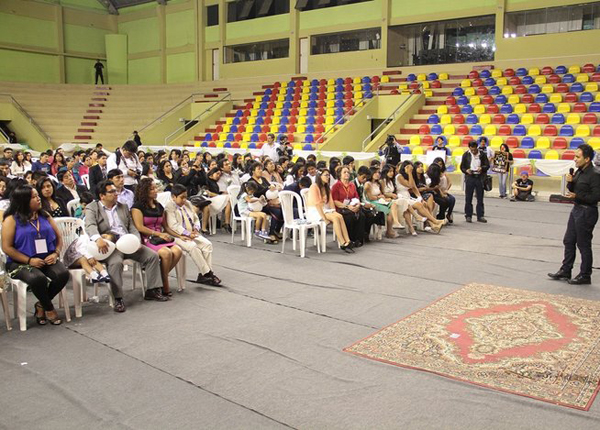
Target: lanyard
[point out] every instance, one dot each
(37, 227)
(183, 211)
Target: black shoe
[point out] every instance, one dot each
(227, 228)
(482, 219)
(155, 294)
(209, 279)
(580, 280)
(358, 244)
(468, 219)
(347, 248)
(450, 219)
(560, 275)
(119, 306)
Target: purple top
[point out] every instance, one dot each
(26, 234)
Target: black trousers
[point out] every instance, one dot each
(474, 184)
(443, 203)
(276, 218)
(101, 76)
(38, 282)
(355, 224)
(580, 229)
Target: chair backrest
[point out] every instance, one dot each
(304, 194)
(71, 206)
(287, 199)
(86, 181)
(164, 197)
(233, 191)
(70, 229)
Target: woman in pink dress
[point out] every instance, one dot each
(148, 217)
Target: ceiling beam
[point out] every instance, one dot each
(109, 5)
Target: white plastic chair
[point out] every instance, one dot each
(298, 225)
(304, 194)
(4, 299)
(245, 221)
(86, 181)
(71, 229)
(71, 206)
(164, 198)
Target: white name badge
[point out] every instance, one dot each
(346, 202)
(40, 246)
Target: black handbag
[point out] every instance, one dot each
(157, 240)
(487, 183)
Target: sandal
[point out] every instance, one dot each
(41, 320)
(54, 321)
(167, 293)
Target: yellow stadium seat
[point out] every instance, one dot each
(306, 90)
(446, 119)
(405, 92)
(358, 95)
(534, 71)
(330, 112)
(479, 109)
(304, 104)
(246, 137)
(421, 77)
(458, 152)
(415, 140)
(306, 83)
(281, 98)
(223, 137)
(551, 155)
(357, 88)
(417, 150)
(594, 142)
(301, 120)
(597, 98)
(220, 144)
(449, 130)
(485, 119)
(574, 69)
(465, 83)
(226, 128)
(527, 118)
(331, 82)
(303, 111)
(305, 97)
(592, 87)
(496, 142)
(385, 78)
(301, 128)
(540, 80)
(507, 90)
(443, 76)
(298, 147)
(253, 112)
(329, 120)
(556, 98)
(573, 118)
(520, 108)
(475, 100)
(331, 89)
(583, 78)
(547, 89)
(469, 91)
(425, 85)
(243, 145)
(490, 130)
(229, 121)
(277, 111)
(197, 143)
(256, 105)
(251, 120)
(534, 130)
(279, 105)
(582, 131)
(564, 108)
(356, 104)
(357, 80)
(454, 141)
(403, 86)
(496, 73)
(274, 129)
(276, 120)
(513, 99)
(442, 109)
(501, 82)
(330, 96)
(258, 99)
(542, 143)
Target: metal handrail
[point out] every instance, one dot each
(210, 108)
(164, 114)
(29, 117)
(342, 119)
(390, 117)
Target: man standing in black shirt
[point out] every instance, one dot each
(584, 190)
(474, 165)
(99, 66)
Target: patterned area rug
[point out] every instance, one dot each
(538, 345)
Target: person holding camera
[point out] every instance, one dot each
(474, 165)
(130, 165)
(392, 151)
(584, 190)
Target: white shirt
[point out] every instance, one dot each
(475, 162)
(113, 219)
(226, 180)
(126, 197)
(130, 164)
(270, 151)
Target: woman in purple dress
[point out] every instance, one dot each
(148, 217)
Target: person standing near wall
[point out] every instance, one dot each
(99, 66)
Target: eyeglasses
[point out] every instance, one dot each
(111, 191)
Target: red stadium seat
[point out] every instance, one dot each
(527, 98)
(561, 88)
(320, 128)
(424, 129)
(291, 128)
(542, 119)
(436, 84)
(504, 130)
(375, 79)
(473, 74)
(262, 137)
(550, 130)
(571, 98)
(348, 80)
(394, 92)
(512, 142)
(242, 128)
(596, 131)
(554, 79)
(458, 119)
(596, 77)
(487, 100)
(212, 145)
(482, 91)
(290, 135)
(462, 130)
(321, 103)
(492, 109)
(450, 101)
(427, 140)
(515, 80)
(547, 70)
(534, 108)
(498, 119)
(348, 87)
(568, 155)
(509, 72)
(477, 82)
(454, 109)
(218, 129)
(560, 143)
(238, 137)
(265, 129)
(243, 121)
(292, 120)
(235, 145)
(320, 119)
(588, 68)
(519, 153)
(520, 89)
(580, 107)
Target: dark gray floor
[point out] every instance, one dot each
(266, 350)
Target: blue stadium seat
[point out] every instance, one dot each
(227, 145)
(472, 119)
(287, 105)
(577, 87)
(406, 150)
(534, 89)
(519, 130)
(433, 119)
(432, 76)
(204, 145)
(457, 92)
(256, 129)
(494, 91)
(411, 77)
(312, 104)
(260, 120)
(339, 119)
(339, 103)
(311, 111)
(462, 100)
(549, 108)
(436, 129)
(506, 108)
(340, 111)
(566, 130)
(254, 137)
(310, 128)
(366, 80)
(314, 82)
(575, 142)
(521, 71)
(568, 79)
(594, 107)
(207, 137)
(586, 97)
(236, 121)
(513, 118)
(476, 130)
(489, 82)
(535, 154)
(367, 87)
(310, 120)
(233, 129)
(291, 84)
(558, 118)
(541, 98)
(252, 145)
(314, 96)
(485, 74)
(560, 70)
(286, 111)
(500, 100)
(230, 137)
(284, 120)
(268, 91)
(466, 110)
(239, 113)
(339, 81)
(266, 99)
(309, 138)
(339, 88)
(307, 147)
(527, 80)
(527, 142)
(282, 128)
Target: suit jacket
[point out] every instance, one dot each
(97, 223)
(65, 195)
(465, 163)
(175, 219)
(96, 177)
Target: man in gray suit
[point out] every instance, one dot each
(108, 216)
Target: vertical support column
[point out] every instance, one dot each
(116, 58)
(222, 30)
(386, 11)
(499, 33)
(161, 15)
(294, 37)
(199, 28)
(60, 37)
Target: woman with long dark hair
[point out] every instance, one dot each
(374, 195)
(403, 208)
(347, 202)
(273, 206)
(296, 173)
(50, 203)
(32, 244)
(58, 163)
(148, 217)
(166, 175)
(434, 180)
(421, 182)
(444, 186)
(502, 163)
(19, 165)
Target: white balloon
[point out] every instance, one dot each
(271, 195)
(94, 252)
(128, 244)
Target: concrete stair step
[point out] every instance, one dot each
(83, 137)
(391, 72)
(89, 123)
(91, 117)
(93, 111)
(85, 130)
(96, 105)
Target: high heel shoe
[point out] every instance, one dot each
(40, 320)
(347, 248)
(54, 321)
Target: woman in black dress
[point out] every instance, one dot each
(273, 206)
(166, 175)
(50, 203)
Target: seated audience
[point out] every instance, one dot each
(32, 244)
(5, 169)
(442, 197)
(52, 204)
(403, 208)
(129, 164)
(252, 207)
(68, 190)
(149, 219)
(273, 207)
(77, 256)
(270, 174)
(85, 199)
(375, 196)
(124, 195)
(219, 201)
(166, 175)
(98, 172)
(42, 164)
(295, 174)
(347, 203)
(320, 207)
(19, 165)
(183, 221)
(108, 216)
(522, 188)
(228, 175)
(58, 163)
